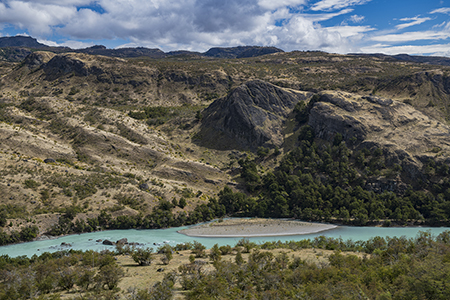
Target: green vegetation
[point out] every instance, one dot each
(143, 257)
(26, 234)
(158, 115)
(385, 268)
(396, 268)
(61, 271)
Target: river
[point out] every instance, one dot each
(154, 237)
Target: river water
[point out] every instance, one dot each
(153, 238)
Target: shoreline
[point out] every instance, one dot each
(255, 227)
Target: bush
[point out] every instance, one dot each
(31, 184)
(198, 249)
(142, 256)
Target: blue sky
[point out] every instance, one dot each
(337, 26)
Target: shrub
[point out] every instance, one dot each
(31, 184)
(142, 256)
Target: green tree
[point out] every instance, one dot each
(198, 249)
(238, 259)
(167, 252)
(109, 276)
(182, 203)
(215, 253)
(142, 256)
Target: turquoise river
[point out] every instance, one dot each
(154, 237)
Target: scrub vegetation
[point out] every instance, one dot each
(321, 268)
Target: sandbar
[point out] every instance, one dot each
(255, 227)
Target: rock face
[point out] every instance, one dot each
(408, 137)
(37, 59)
(251, 115)
(69, 63)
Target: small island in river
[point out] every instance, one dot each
(255, 227)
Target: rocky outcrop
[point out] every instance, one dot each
(37, 59)
(408, 137)
(251, 115)
(70, 63)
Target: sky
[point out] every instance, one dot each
(415, 27)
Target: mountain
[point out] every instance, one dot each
(123, 52)
(20, 41)
(96, 134)
(20, 47)
(432, 60)
(241, 51)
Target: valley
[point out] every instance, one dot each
(91, 141)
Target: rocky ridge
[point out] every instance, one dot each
(408, 137)
(252, 115)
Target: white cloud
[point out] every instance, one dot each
(185, 24)
(414, 21)
(70, 44)
(357, 19)
(412, 36)
(57, 2)
(435, 50)
(326, 5)
(327, 16)
(270, 4)
(439, 25)
(37, 18)
(442, 10)
(351, 31)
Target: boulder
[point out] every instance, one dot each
(49, 160)
(108, 243)
(122, 241)
(144, 186)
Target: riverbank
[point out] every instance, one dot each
(255, 227)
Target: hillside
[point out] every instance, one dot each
(152, 142)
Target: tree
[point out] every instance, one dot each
(198, 249)
(3, 216)
(238, 259)
(109, 275)
(142, 256)
(182, 203)
(301, 112)
(262, 152)
(198, 115)
(167, 254)
(215, 253)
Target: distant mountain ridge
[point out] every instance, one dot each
(431, 60)
(18, 47)
(21, 42)
(241, 51)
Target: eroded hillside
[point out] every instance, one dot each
(82, 135)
